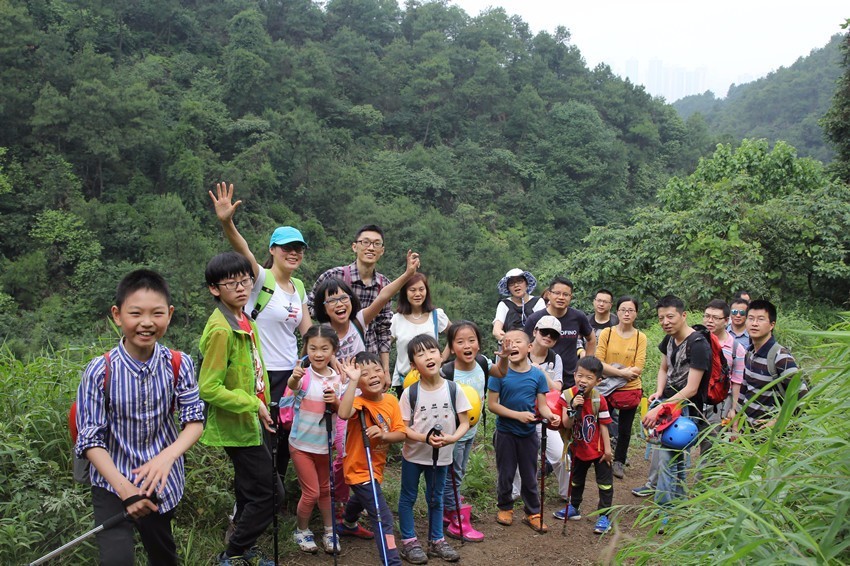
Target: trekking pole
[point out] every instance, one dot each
(457, 503)
(570, 463)
(329, 428)
(543, 424)
(368, 447)
(435, 455)
(275, 411)
(107, 524)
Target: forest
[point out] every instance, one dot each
(472, 140)
(786, 104)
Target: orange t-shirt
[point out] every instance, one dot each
(384, 413)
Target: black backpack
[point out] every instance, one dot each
(517, 315)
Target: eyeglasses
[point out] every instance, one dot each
(549, 333)
(738, 312)
(707, 316)
(626, 311)
(335, 300)
(602, 301)
(560, 294)
(377, 244)
(246, 283)
(290, 248)
(759, 319)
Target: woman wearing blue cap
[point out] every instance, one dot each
(278, 302)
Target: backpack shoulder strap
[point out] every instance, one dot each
(453, 396)
(299, 288)
(447, 371)
(412, 397)
(346, 275)
(436, 325)
(483, 364)
(176, 362)
(359, 328)
(265, 295)
(771, 359)
(107, 373)
(595, 398)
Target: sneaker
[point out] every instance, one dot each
(355, 531)
(535, 522)
(573, 514)
(603, 525)
(305, 541)
(643, 491)
(250, 558)
(442, 549)
(331, 543)
(617, 470)
(505, 517)
(413, 553)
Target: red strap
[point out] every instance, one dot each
(176, 361)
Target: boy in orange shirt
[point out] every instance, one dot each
(384, 426)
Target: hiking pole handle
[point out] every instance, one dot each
(274, 409)
(107, 524)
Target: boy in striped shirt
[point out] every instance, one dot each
(127, 429)
(765, 362)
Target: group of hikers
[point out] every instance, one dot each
(569, 380)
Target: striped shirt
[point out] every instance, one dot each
(139, 423)
(378, 335)
(308, 428)
(757, 375)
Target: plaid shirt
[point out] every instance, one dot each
(378, 333)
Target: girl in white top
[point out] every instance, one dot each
(415, 315)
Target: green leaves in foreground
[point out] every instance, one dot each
(777, 495)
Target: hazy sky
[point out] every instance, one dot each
(695, 46)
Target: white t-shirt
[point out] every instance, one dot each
(434, 407)
(277, 323)
(352, 343)
(502, 309)
(404, 331)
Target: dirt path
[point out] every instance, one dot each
(518, 543)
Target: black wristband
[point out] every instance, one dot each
(131, 500)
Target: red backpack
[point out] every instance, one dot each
(715, 389)
(81, 465)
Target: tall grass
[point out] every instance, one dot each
(779, 495)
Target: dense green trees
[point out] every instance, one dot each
(469, 138)
(785, 105)
(836, 123)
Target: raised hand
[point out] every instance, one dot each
(225, 208)
(412, 262)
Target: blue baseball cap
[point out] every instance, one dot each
(286, 235)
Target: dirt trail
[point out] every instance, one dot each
(518, 543)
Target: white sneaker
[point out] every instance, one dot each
(328, 542)
(304, 540)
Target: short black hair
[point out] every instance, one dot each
(740, 294)
(591, 364)
(421, 343)
(330, 286)
(227, 264)
(559, 280)
(604, 292)
(719, 304)
(762, 305)
(141, 279)
(628, 299)
(367, 358)
(668, 301)
(369, 228)
(740, 301)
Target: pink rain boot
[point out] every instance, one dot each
(469, 532)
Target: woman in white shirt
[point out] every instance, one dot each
(415, 315)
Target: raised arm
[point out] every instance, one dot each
(225, 208)
(388, 292)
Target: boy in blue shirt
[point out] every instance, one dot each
(512, 399)
(127, 430)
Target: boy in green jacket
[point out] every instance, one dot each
(235, 386)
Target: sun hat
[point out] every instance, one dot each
(286, 235)
(516, 272)
(548, 322)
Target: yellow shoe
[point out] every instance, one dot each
(535, 522)
(505, 517)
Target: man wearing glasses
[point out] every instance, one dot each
(602, 316)
(368, 247)
(574, 325)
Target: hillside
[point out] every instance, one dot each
(785, 105)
